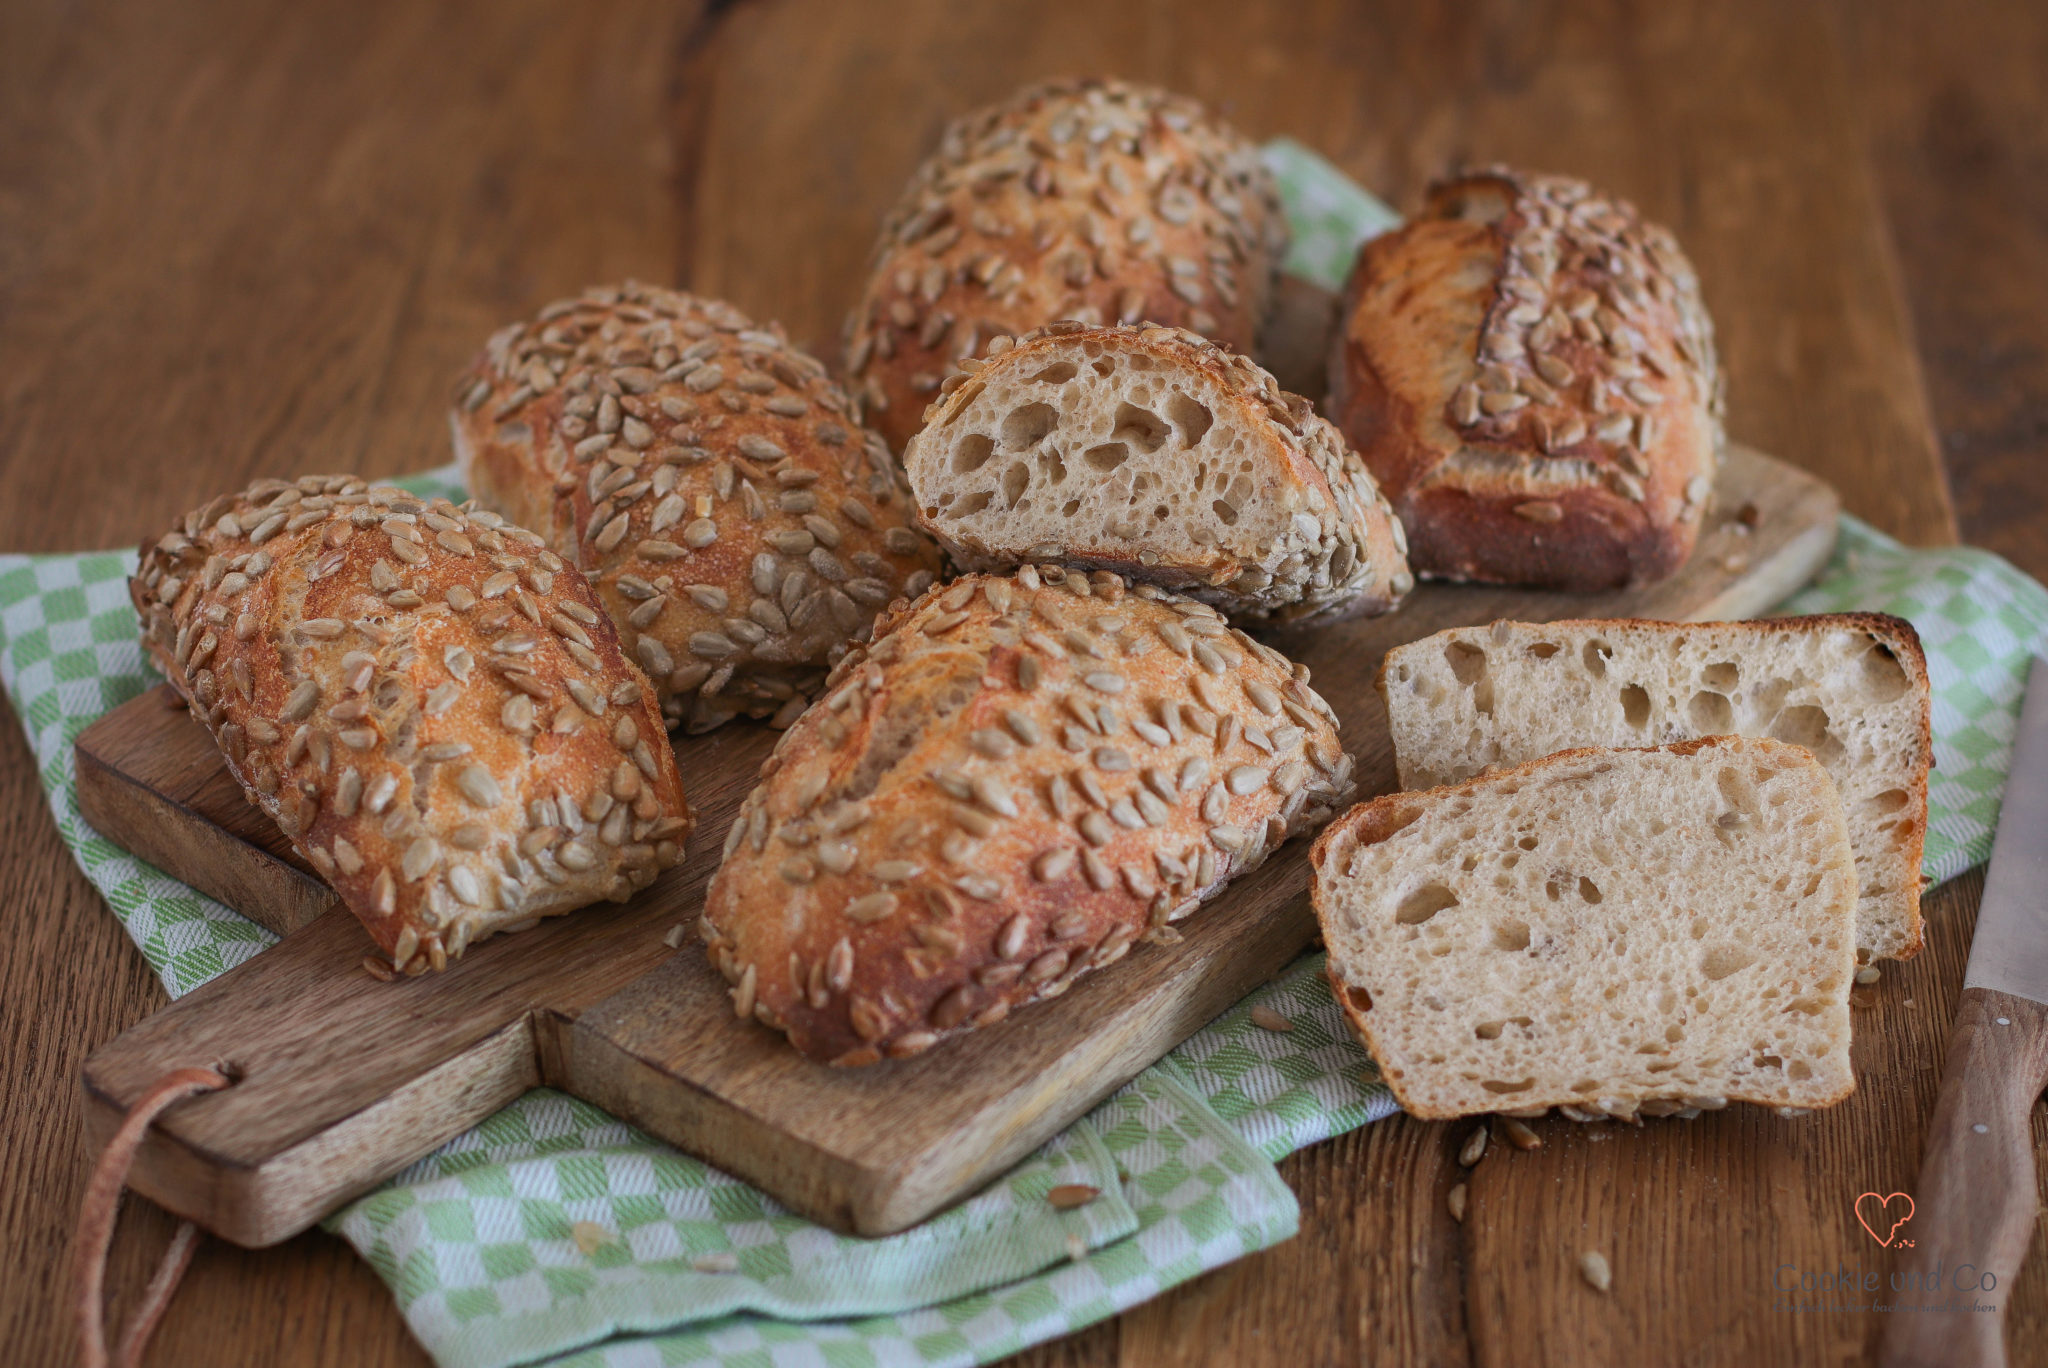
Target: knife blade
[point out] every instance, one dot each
(2010, 953)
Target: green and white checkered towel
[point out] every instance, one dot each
(553, 1229)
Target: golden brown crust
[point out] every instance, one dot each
(1353, 563)
(1371, 822)
(1529, 371)
(1903, 640)
(1019, 778)
(738, 523)
(1899, 637)
(429, 703)
(1084, 199)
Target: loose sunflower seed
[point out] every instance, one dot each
(1068, 1196)
(1265, 1018)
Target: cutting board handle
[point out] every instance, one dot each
(1976, 1196)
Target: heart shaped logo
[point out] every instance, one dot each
(1881, 1214)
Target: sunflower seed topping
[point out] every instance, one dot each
(479, 786)
(871, 907)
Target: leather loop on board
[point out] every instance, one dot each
(96, 1229)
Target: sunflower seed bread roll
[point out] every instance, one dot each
(738, 524)
(428, 702)
(1613, 932)
(1019, 777)
(1851, 687)
(1159, 455)
(1529, 371)
(1083, 199)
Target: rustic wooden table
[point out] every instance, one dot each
(243, 238)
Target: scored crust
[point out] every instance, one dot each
(1162, 456)
(1093, 200)
(1644, 997)
(1529, 371)
(738, 523)
(1018, 779)
(1857, 694)
(428, 702)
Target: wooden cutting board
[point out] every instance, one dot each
(341, 1080)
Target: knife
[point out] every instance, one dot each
(1976, 1198)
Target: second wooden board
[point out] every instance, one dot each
(342, 1080)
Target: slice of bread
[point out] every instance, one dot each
(1606, 930)
(1851, 687)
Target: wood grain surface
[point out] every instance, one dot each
(340, 1080)
(277, 229)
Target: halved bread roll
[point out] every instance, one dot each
(1611, 932)
(1154, 453)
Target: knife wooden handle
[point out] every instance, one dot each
(1974, 1206)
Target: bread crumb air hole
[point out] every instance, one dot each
(1807, 725)
(1468, 663)
(1108, 456)
(1142, 428)
(1711, 713)
(971, 453)
(1884, 679)
(1635, 706)
(1424, 903)
(1726, 958)
(1190, 416)
(1024, 426)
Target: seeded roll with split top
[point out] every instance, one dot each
(1015, 781)
(1529, 371)
(1082, 199)
(1160, 455)
(428, 701)
(737, 522)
